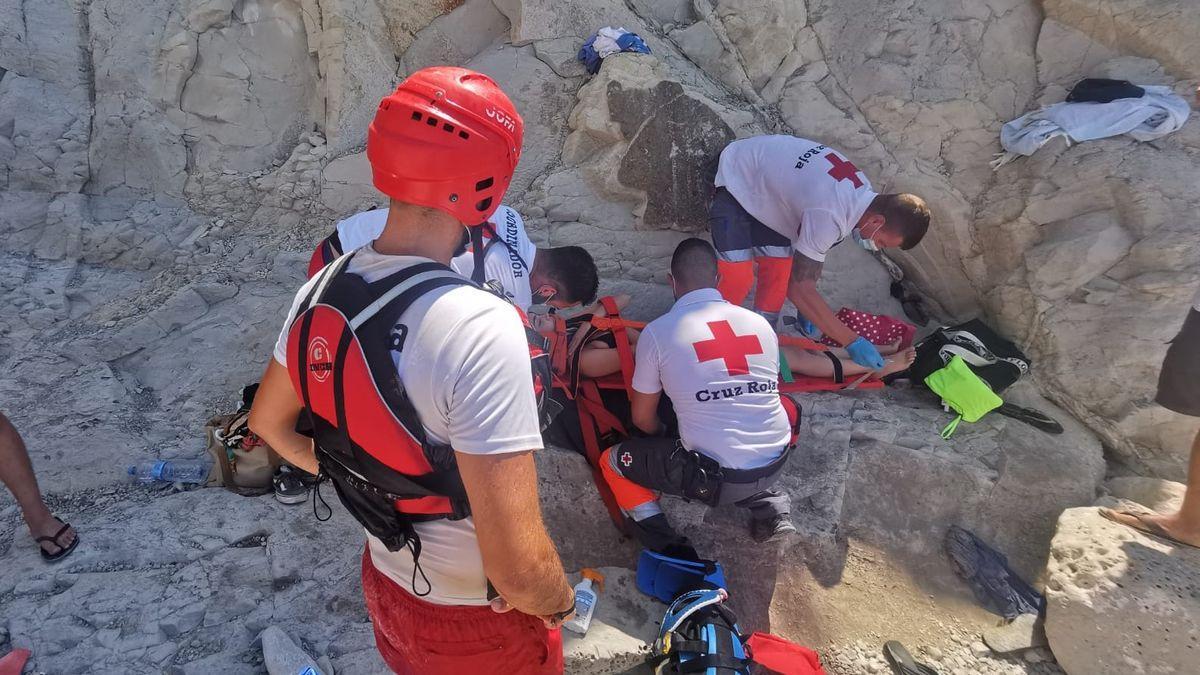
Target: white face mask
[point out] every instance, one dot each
(863, 242)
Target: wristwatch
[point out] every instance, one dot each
(559, 617)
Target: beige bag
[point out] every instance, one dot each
(248, 468)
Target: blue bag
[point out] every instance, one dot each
(663, 577)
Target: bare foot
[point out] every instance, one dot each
(899, 362)
(1172, 527)
(888, 350)
(48, 526)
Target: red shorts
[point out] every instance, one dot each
(419, 638)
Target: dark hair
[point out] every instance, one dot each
(694, 263)
(904, 214)
(573, 271)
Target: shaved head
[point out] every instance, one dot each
(694, 265)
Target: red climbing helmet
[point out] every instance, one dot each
(447, 138)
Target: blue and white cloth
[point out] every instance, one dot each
(606, 42)
(1157, 113)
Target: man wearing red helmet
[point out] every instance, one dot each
(424, 400)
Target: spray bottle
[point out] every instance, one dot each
(586, 593)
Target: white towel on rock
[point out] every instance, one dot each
(605, 43)
(1156, 114)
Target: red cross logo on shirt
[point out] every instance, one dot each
(728, 346)
(844, 169)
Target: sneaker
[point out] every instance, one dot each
(774, 529)
(290, 485)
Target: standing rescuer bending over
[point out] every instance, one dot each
(782, 202)
(421, 391)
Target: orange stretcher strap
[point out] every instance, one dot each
(594, 420)
(624, 349)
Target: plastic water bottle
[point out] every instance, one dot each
(170, 471)
(585, 601)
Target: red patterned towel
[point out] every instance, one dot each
(879, 329)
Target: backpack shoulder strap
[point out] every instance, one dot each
(399, 290)
(324, 278)
(479, 250)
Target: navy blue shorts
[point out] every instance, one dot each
(739, 236)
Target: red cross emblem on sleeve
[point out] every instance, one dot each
(728, 346)
(844, 169)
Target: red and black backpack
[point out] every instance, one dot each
(368, 438)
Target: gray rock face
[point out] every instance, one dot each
(166, 166)
(1119, 601)
(206, 110)
(665, 122)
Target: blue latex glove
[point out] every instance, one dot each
(865, 354)
(807, 328)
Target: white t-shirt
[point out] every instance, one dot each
(508, 266)
(361, 229)
(465, 366)
(507, 262)
(801, 189)
(719, 363)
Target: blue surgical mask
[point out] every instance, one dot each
(863, 242)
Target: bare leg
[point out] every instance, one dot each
(814, 364)
(884, 350)
(17, 474)
(1185, 524)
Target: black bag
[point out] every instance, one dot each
(994, 359)
(1102, 90)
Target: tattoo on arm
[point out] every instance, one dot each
(805, 268)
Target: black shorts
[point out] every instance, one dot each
(739, 236)
(1179, 381)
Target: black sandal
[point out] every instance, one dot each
(902, 662)
(63, 551)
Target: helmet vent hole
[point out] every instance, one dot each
(416, 116)
(448, 128)
(431, 121)
(484, 184)
(464, 135)
(483, 205)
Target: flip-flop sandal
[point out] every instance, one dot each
(63, 551)
(902, 662)
(1143, 526)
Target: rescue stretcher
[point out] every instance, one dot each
(600, 427)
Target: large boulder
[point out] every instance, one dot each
(1118, 601)
(1060, 248)
(870, 467)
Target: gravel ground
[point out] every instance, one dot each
(965, 655)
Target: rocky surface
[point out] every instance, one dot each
(187, 581)
(964, 655)
(183, 128)
(166, 166)
(1119, 601)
